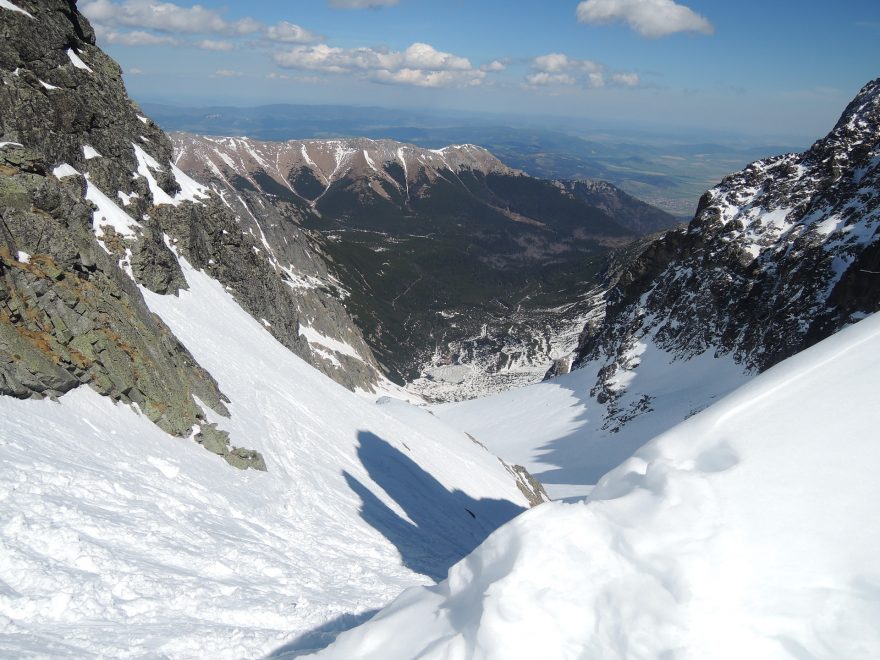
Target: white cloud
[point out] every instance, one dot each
(212, 44)
(556, 62)
(560, 69)
(166, 17)
(291, 33)
(421, 78)
(625, 79)
(134, 71)
(420, 64)
(226, 73)
(136, 38)
(361, 4)
(543, 78)
(650, 18)
(596, 79)
(551, 62)
(494, 66)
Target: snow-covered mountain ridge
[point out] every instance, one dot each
(777, 257)
(307, 167)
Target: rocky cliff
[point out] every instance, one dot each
(92, 209)
(778, 257)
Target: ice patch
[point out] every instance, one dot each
(90, 152)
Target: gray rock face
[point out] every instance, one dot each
(70, 309)
(778, 257)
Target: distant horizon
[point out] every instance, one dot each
(780, 71)
(580, 126)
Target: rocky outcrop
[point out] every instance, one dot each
(91, 206)
(778, 257)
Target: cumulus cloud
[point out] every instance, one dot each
(166, 17)
(215, 45)
(362, 4)
(542, 78)
(650, 18)
(226, 73)
(626, 79)
(291, 33)
(420, 64)
(136, 38)
(556, 62)
(494, 66)
(560, 69)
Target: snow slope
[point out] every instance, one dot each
(120, 540)
(568, 440)
(748, 531)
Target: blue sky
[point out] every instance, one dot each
(775, 68)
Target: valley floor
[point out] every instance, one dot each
(568, 440)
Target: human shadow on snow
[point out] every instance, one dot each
(441, 526)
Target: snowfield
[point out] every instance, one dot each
(748, 531)
(119, 540)
(568, 440)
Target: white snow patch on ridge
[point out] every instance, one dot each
(748, 531)
(109, 213)
(315, 337)
(5, 4)
(64, 170)
(190, 190)
(77, 61)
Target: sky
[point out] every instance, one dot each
(773, 69)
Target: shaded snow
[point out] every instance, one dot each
(748, 531)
